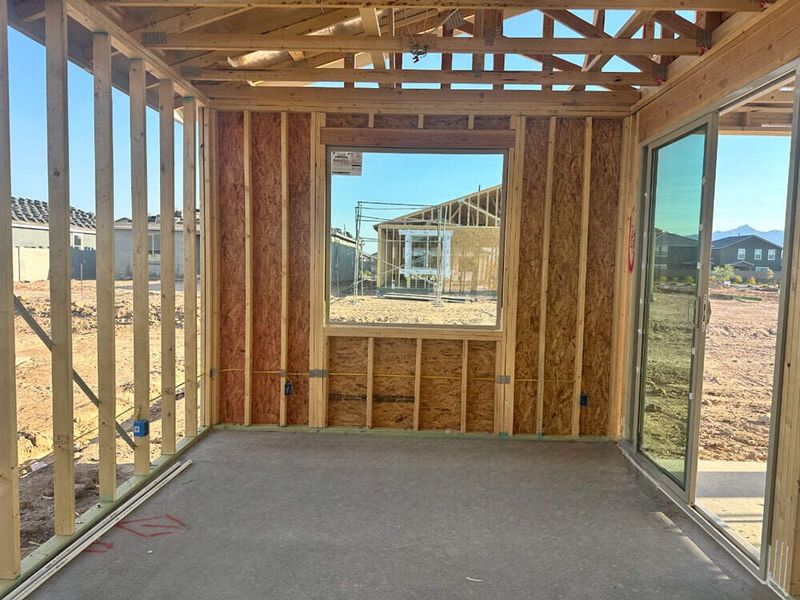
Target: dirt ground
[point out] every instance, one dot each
(371, 309)
(737, 385)
(34, 409)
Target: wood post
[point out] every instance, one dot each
(190, 265)
(60, 265)
(248, 271)
(417, 383)
(9, 468)
(548, 210)
(214, 288)
(582, 258)
(205, 270)
(106, 310)
(166, 102)
(141, 284)
(284, 364)
(317, 412)
(370, 379)
(464, 383)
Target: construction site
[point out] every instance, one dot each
(500, 294)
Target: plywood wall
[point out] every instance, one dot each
(451, 391)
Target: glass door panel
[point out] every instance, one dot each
(671, 310)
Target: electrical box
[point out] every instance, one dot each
(141, 428)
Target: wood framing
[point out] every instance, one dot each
(166, 100)
(141, 284)
(190, 264)
(106, 309)
(60, 265)
(582, 259)
(416, 138)
(248, 269)
(284, 333)
(9, 463)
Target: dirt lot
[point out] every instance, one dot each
(365, 309)
(737, 384)
(34, 408)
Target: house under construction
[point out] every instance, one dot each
(453, 247)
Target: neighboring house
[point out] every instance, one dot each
(30, 241)
(342, 261)
(676, 256)
(750, 255)
(123, 247)
(455, 243)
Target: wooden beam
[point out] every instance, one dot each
(240, 42)
(478, 59)
(464, 383)
(486, 101)
(417, 138)
(9, 459)
(284, 359)
(372, 27)
(190, 264)
(141, 283)
(548, 32)
(317, 355)
(713, 5)
(188, 20)
(349, 64)
(417, 383)
(683, 27)
(60, 265)
(106, 308)
(370, 380)
(350, 75)
(213, 368)
(582, 259)
(544, 285)
(207, 330)
(166, 108)
(248, 270)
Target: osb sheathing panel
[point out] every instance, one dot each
(530, 273)
(596, 380)
(446, 122)
(395, 121)
(562, 298)
(355, 120)
(347, 381)
(491, 122)
(481, 386)
(440, 385)
(231, 266)
(299, 171)
(266, 199)
(393, 388)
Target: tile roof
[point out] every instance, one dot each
(25, 210)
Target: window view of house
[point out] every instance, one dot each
(419, 250)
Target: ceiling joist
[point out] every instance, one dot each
(349, 43)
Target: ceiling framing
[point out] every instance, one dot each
(224, 48)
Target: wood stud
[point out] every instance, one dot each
(190, 264)
(248, 270)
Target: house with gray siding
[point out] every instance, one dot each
(750, 255)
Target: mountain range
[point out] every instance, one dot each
(774, 235)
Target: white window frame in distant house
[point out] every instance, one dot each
(758, 253)
(153, 253)
(741, 253)
(77, 241)
(771, 254)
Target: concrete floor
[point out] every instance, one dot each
(305, 515)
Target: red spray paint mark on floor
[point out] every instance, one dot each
(150, 527)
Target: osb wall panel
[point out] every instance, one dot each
(562, 299)
(440, 385)
(395, 121)
(355, 120)
(480, 386)
(266, 200)
(393, 384)
(604, 197)
(530, 274)
(230, 176)
(446, 122)
(299, 174)
(347, 381)
(491, 122)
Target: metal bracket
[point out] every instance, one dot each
(503, 379)
(154, 37)
(313, 373)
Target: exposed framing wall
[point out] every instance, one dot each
(429, 378)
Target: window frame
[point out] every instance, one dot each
(758, 254)
(497, 327)
(741, 254)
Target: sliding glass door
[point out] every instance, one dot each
(673, 306)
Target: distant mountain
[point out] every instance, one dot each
(775, 235)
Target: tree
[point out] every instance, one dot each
(722, 273)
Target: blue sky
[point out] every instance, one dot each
(753, 195)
